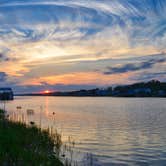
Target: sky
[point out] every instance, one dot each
(65, 45)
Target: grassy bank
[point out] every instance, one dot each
(22, 145)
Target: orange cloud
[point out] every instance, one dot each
(80, 78)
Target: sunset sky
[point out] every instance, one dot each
(81, 44)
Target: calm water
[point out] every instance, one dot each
(117, 131)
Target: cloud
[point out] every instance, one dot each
(146, 76)
(4, 54)
(3, 76)
(130, 67)
(3, 58)
(74, 19)
(55, 87)
(78, 36)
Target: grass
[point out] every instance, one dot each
(27, 145)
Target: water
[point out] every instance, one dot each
(117, 131)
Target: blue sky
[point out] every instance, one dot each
(76, 44)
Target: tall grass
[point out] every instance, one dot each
(23, 143)
(27, 145)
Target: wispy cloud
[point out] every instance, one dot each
(131, 67)
(61, 37)
(3, 76)
(146, 76)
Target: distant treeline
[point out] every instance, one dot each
(152, 88)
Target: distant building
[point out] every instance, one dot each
(6, 94)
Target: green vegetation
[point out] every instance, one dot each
(27, 145)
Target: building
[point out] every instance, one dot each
(6, 94)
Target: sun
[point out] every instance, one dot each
(46, 91)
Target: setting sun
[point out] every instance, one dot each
(46, 91)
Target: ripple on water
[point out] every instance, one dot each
(117, 131)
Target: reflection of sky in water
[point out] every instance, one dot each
(116, 130)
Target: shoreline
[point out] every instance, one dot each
(22, 144)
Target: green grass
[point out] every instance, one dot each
(22, 145)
